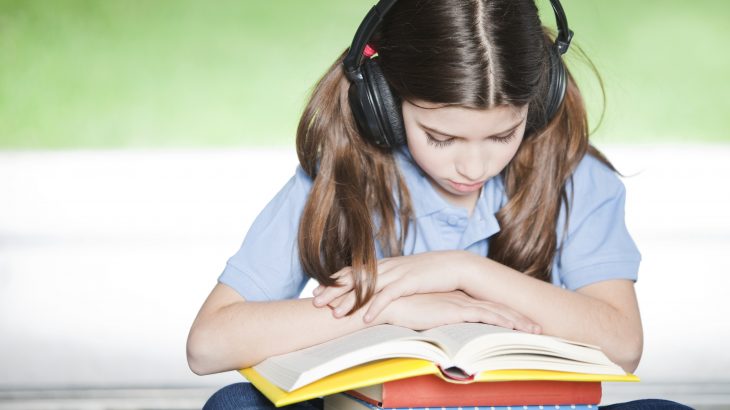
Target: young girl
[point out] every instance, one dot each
(446, 179)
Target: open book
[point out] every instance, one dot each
(464, 352)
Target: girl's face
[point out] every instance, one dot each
(460, 148)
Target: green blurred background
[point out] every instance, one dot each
(187, 73)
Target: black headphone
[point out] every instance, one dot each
(377, 111)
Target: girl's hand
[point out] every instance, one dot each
(428, 272)
(426, 311)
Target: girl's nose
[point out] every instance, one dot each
(471, 165)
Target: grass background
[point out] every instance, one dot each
(192, 73)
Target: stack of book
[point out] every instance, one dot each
(461, 365)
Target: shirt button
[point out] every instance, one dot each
(453, 220)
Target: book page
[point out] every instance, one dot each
(453, 338)
(378, 342)
(476, 347)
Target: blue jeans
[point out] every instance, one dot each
(243, 396)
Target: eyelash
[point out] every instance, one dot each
(442, 144)
(507, 138)
(438, 143)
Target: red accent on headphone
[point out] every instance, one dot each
(369, 51)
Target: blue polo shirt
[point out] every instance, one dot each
(597, 247)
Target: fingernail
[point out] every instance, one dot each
(317, 302)
(367, 318)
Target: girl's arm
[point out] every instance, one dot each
(605, 314)
(230, 333)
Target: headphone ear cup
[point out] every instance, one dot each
(363, 112)
(558, 84)
(385, 104)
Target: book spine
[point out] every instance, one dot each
(431, 391)
(532, 407)
(346, 402)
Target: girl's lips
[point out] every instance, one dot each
(466, 187)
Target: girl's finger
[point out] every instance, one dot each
(524, 324)
(381, 300)
(386, 276)
(344, 306)
(478, 314)
(519, 321)
(329, 294)
(336, 302)
(326, 294)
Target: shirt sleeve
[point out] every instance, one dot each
(267, 266)
(597, 246)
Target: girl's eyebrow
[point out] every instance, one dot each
(444, 134)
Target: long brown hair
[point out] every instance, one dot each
(474, 54)
(354, 186)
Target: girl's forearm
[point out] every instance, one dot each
(609, 320)
(243, 334)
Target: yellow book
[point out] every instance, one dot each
(460, 353)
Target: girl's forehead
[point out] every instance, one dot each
(457, 120)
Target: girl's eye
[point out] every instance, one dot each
(504, 139)
(444, 143)
(438, 143)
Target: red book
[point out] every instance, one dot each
(432, 391)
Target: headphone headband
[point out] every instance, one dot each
(565, 34)
(374, 18)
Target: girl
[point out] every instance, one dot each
(447, 179)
